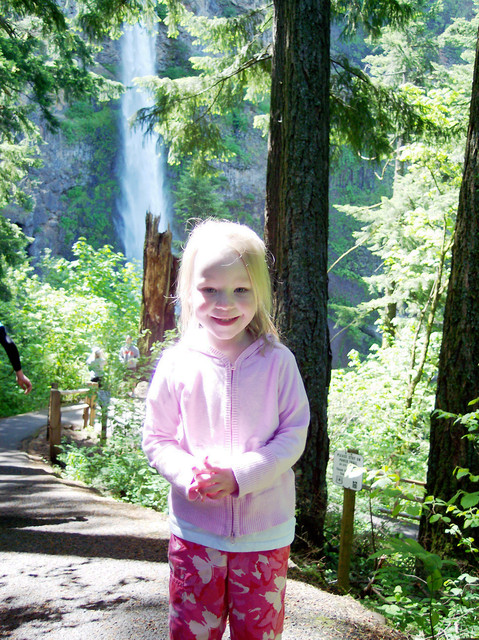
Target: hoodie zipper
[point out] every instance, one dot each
(232, 370)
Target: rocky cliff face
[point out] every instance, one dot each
(75, 185)
(66, 166)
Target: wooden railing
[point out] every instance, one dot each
(54, 433)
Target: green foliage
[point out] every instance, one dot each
(200, 196)
(420, 592)
(388, 490)
(188, 110)
(372, 15)
(57, 317)
(177, 63)
(409, 233)
(98, 273)
(358, 104)
(441, 602)
(196, 197)
(16, 159)
(119, 467)
(12, 252)
(460, 514)
(235, 65)
(412, 231)
(43, 58)
(84, 121)
(99, 19)
(367, 408)
(90, 205)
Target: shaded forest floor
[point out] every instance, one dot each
(77, 564)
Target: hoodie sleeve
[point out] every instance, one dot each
(161, 428)
(258, 470)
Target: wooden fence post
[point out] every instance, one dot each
(55, 421)
(346, 538)
(346, 535)
(91, 401)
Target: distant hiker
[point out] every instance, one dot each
(129, 353)
(14, 357)
(96, 363)
(226, 418)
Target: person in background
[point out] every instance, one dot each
(129, 353)
(14, 357)
(96, 363)
(226, 418)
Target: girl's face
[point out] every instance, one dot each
(223, 299)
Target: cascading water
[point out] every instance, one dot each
(141, 175)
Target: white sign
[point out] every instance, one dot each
(348, 470)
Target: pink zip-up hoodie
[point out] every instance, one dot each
(252, 416)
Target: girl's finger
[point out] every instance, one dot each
(211, 467)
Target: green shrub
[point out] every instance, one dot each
(119, 467)
(57, 316)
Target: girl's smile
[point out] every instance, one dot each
(223, 299)
(225, 321)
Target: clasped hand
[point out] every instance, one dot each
(212, 481)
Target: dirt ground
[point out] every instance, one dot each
(75, 564)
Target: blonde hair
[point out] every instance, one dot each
(251, 250)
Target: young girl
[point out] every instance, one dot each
(227, 417)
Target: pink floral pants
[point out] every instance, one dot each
(207, 586)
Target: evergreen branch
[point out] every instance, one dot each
(211, 104)
(360, 317)
(372, 15)
(261, 57)
(149, 115)
(354, 71)
(346, 253)
(7, 27)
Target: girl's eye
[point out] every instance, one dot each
(208, 290)
(241, 290)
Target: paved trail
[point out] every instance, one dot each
(75, 565)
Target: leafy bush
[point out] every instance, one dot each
(426, 593)
(119, 467)
(460, 514)
(367, 408)
(57, 316)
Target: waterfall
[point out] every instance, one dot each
(141, 173)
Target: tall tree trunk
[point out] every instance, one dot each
(458, 377)
(296, 224)
(159, 266)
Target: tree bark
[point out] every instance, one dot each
(296, 225)
(458, 376)
(159, 274)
